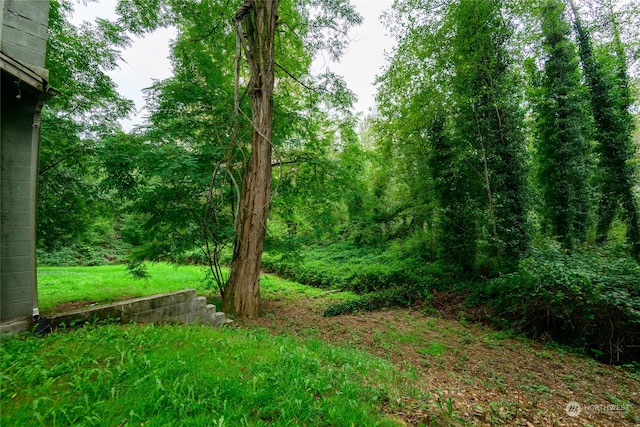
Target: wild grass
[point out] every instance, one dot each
(277, 287)
(108, 283)
(190, 376)
(57, 285)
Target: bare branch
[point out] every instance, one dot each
(295, 78)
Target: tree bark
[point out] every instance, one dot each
(255, 23)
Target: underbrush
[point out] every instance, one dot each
(190, 376)
(393, 297)
(332, 267)
(588, 300)
(82, 255)
(383, 279)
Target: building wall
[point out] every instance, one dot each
(24, 32)
(23, 40)
(18, 177)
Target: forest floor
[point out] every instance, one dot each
(468, 373)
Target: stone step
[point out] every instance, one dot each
(180, 306)
(220, 319)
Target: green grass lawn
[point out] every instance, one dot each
(108, 283)
(139, 375)
(146, 375)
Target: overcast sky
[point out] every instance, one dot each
(147, 58)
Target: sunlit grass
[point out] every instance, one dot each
(103, 284)
(190, 376)
(107, 283)
(184, 375)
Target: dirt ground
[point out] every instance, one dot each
(467, 373)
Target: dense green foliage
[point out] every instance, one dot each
(181, 176)
(382, 278)
(589, 300)
(468, 127)
(196, 376)
(488, 123)
(347, 267)
(610, 101)
(563, 150)
(73, 208)
(489, 138)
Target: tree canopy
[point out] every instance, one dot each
(504, 138)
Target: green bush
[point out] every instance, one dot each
(348, 268)
(383, 278)
(393, 297)
(82, 255)
(589, 300)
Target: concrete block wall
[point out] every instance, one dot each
(18, 193)
(23, 32)
(23, 42)
(175, 307)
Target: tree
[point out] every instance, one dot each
(199, 112)
(256, 25)
(563, 150)
(458, 228)
(610, 101)
(422, 168)
(454, 115)
(489, 121)
(88, 107)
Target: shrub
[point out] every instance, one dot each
(345, 267)
(393, 297)
(384, 279)
(82, 255)
(588, 299)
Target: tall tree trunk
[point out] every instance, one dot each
(255, 22)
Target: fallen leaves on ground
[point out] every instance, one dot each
(467, 373)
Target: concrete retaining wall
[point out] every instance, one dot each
(179, 307)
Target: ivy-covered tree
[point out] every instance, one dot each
(458, 227)
(563, 149)
(414, 141)
(610, 103)
(450, 108)
(489, 121)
